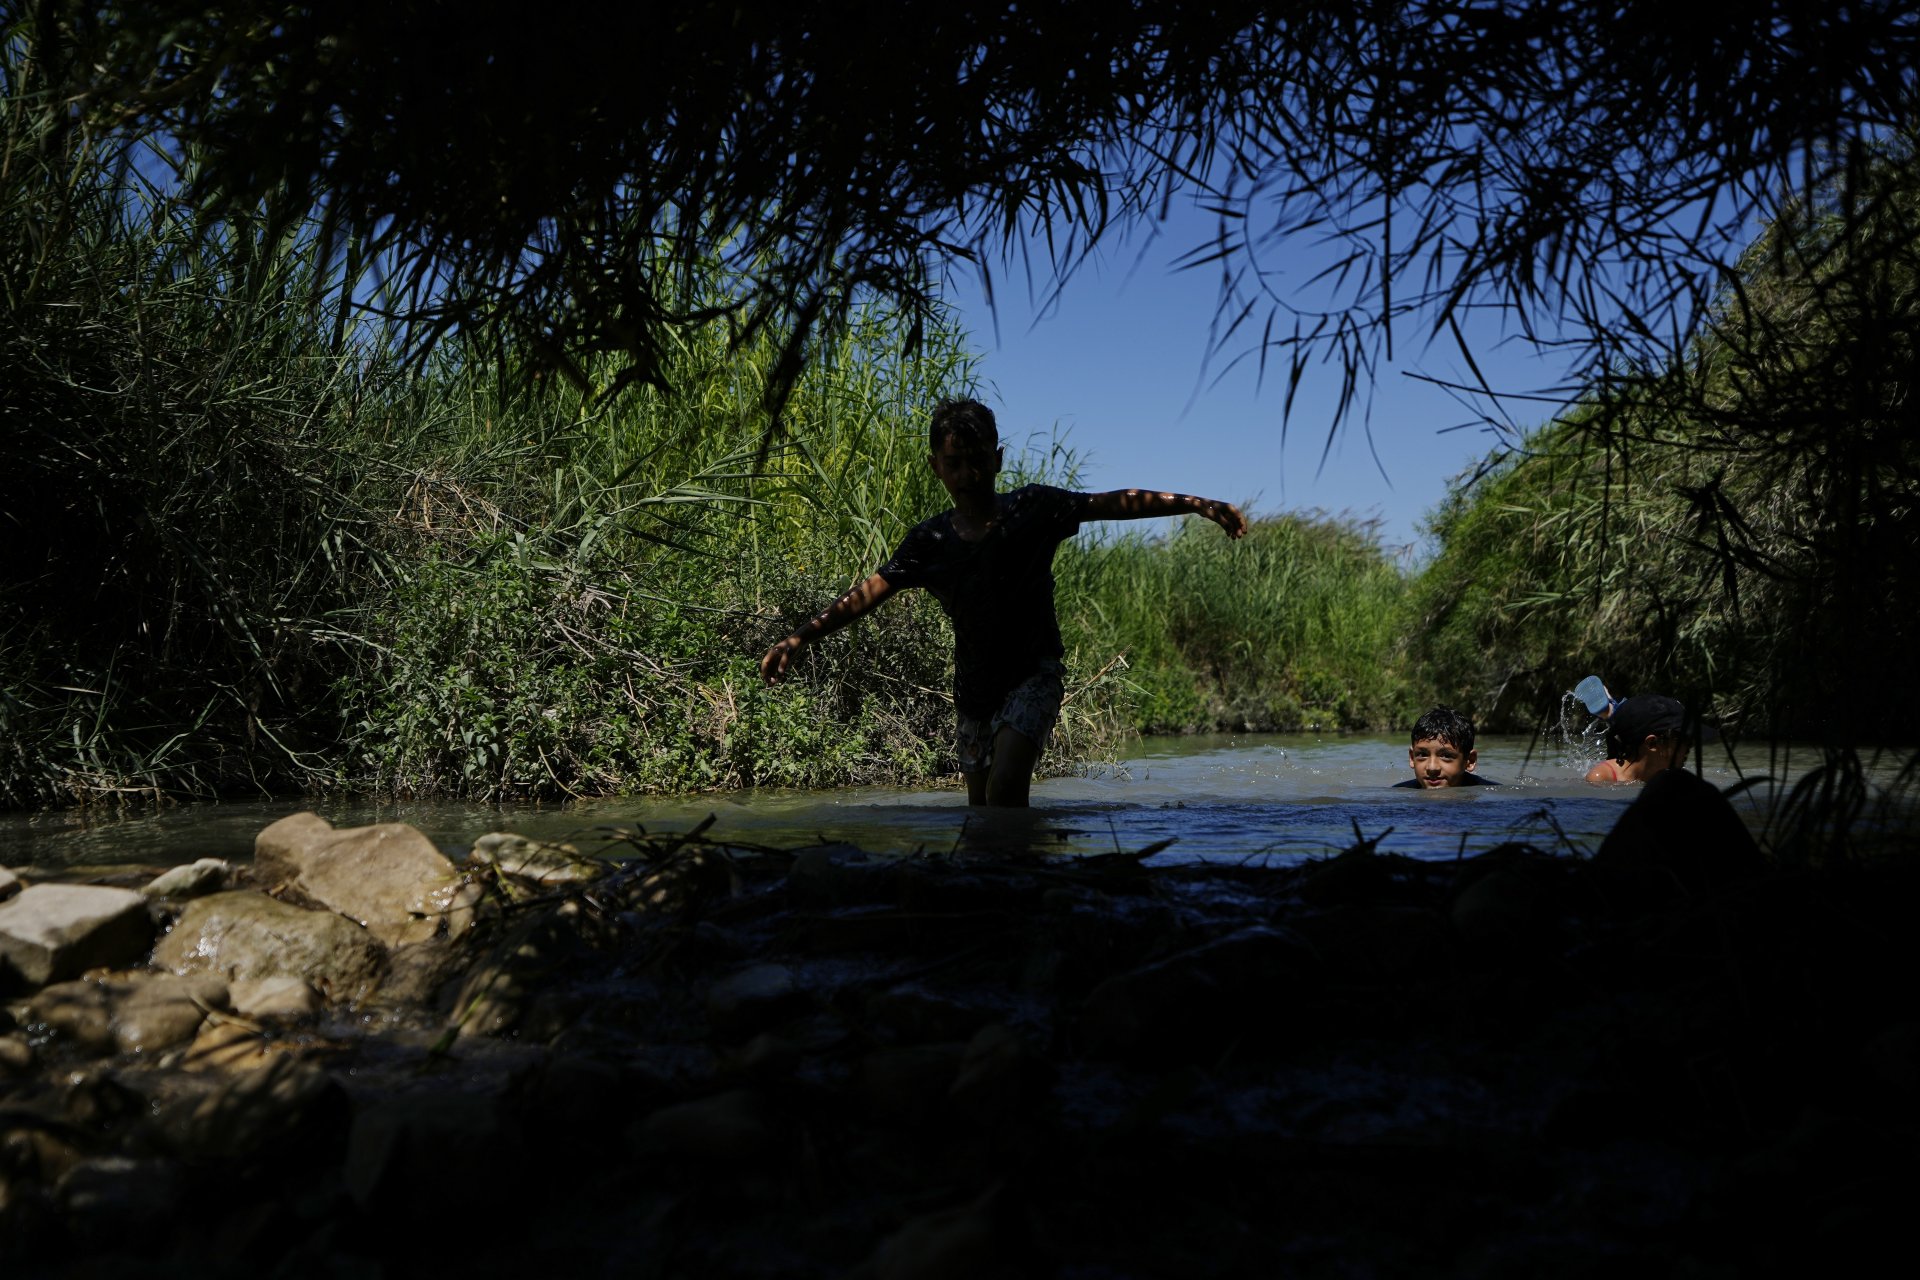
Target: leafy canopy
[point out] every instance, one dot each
(541, 177)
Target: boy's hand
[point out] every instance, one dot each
(1226, 515)
(779, 658)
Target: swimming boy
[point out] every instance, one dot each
(1442, 753)
(989, 562)
(1680, 827)
(1646, 735)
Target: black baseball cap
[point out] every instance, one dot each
(1642, 714)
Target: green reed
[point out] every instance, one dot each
(1297, 626)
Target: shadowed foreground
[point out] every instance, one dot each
(718, 1060)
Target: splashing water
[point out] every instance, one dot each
(1581, 735)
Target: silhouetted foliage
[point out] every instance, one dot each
(1740, 525)
(544, 178)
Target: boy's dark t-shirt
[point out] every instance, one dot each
(1466, 780)
(998, 591)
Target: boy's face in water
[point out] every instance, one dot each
(966, 467)
(1438, 763)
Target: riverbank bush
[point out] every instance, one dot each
(1297, 626)
(599, 631)
(1740, 528)
(251, 548)
(183, 515)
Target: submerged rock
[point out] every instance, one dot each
(749, 1000)
(496, 994)
(244, 934)
(1197, 1001)
(133, 1013)
(680, 884)
(417, 974)
(165, 1010)
(281, 997)
(545, 864)
(208, 875)
(53, 931)
(229, 1045)
(389, 876)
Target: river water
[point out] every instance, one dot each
(1266, 798)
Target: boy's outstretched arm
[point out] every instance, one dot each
(1138, 504)
(857, 601)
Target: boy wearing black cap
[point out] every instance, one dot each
(1646, 736)
(1680, 829)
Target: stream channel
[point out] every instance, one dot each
(1257, 798)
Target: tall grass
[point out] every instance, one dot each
(596, 628)
(249, 548)
(180, 530)
(1298, 626)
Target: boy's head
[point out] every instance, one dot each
(1648, 724)
(968, 420)
(965, 446)
(1442, 752)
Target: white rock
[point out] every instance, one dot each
(53, 931)
(388, 876)
(208, 875)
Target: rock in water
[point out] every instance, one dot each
(547, 864)
(388, 876)
(281, 997)
(132, 1013)
(54, 931)
(243, 934)
(208, 875)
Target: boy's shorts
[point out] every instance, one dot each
(1031, 710)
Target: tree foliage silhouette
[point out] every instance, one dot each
(539, 179)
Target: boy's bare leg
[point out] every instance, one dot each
(976, 786)
(1010, 777)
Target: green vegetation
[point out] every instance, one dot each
(1739, 527)
(255, 547)
(256, 542)
(1297, 626)
(250, 548)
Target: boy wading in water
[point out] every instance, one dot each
(989, 562)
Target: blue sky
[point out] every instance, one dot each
(1119, 367)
